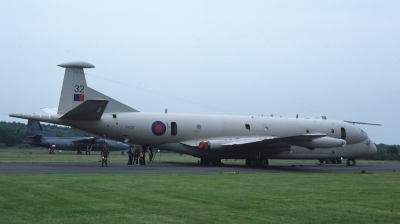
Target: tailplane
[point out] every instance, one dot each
(34, 130)
(75, 91)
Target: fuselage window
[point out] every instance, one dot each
(247, 126)
(174, 128)
(343, 133)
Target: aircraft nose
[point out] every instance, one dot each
(372, 148)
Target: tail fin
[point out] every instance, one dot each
(33, 127)
(34, 130)
(75, 90)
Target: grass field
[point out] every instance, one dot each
(212, 198)
(240, 198)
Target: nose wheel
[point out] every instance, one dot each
(351, 162)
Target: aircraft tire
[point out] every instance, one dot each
(253, 162)
(264, 162)
(334, 161)
(248, 162)
(351, 162)
(339, 161)
(321, 161)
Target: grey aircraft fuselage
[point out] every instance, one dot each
(35, 136)
(209, 137)
(191, 129)
(68, 144)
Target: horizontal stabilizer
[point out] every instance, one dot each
(88, 110)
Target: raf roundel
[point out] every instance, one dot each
(158, 128)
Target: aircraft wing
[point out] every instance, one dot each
(225, 143)
(85, 140)
(88, 110)
(243, 141)
(274, 140)
(314, 140)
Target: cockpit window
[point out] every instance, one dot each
(363, 132)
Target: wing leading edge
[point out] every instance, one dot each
(316, 140)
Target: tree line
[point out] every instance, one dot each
(387, 151)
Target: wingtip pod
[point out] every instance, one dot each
(76, 64)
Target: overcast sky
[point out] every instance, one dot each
(340, 59)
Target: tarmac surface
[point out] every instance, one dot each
(186, 168)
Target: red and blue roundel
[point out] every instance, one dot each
(158, 128)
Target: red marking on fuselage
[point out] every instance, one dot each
(158, 128)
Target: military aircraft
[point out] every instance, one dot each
(35, 136)
(208, 137)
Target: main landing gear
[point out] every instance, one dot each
(330, 161)
(214, 162)
(255, 162)
(349, 162)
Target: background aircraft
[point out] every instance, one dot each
(209, 137)
(35, 136)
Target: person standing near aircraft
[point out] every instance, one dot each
(141, 156)
(136, 156)
(52, 148)
(131, 152)
(104, 153)
(151, 155)
(142, 159)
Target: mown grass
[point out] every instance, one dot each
(240, 198)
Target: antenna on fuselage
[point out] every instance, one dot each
(355, 122)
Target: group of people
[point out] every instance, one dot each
(136, 156)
